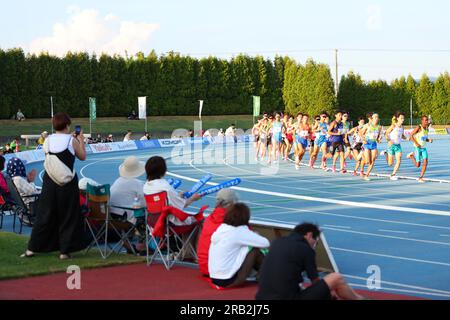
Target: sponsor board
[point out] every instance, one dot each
(439, 131)
(114, 146)
(197, 140)
(147, 144)
(167, 143)
(101, 147)
(125, 145)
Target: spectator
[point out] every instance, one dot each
(24, 182)
(4, 190)
(288, 258)
(191, 133)
(146, 136)
(99, 139)
(8, 149)
(110, 139)
(156, 169)
(15, 145)
(132, 115)
(231, 260)
(128, 136)
(59, 224)
(221, 133)
(231, 130)
(2, 151)
(20, 116)
(127, 187)
(42, 138)
(225, 198)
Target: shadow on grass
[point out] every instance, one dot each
(13, 266)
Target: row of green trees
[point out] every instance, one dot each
(428, 97)
(174, 83)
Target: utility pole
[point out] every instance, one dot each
(337, 72)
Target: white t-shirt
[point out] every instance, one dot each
(174, 199)
(229, 131)
(229, 247)
(123, 192)
(58, 142)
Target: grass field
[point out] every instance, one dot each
(119, 126)
(12, 266)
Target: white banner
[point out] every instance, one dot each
(200, 110)
(142, 103)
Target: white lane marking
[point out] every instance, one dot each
(369, 234)
(342, 227)
(392, 257)
(401, 285)
(393, 231)
(324, 200)
(399, 290)
(445, 235)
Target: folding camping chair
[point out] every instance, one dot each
(25, 213)
(158, 212)
(100, 222)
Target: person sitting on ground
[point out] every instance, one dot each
(146, 136)
(127, 188)
(235, 249)
(128, 136)
(288, 258)
(24, 182)
(156, 169)
(224, 199)
(42, 138)
(20, 116)
(132, 115)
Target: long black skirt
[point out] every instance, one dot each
(59, 224)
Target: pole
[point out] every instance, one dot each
(337, 71)
(51, 111)
(146, 123)
(410, 112)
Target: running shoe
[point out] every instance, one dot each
(361, 173)
(421, 180)
(383, 152)
(394, 178)
(410, 155)
(343, 171)
(350, 156)
(323, 166)
(355, 173)
(366, 178)
(297, 167)
(333, 169)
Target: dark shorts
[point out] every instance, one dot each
(257, 138)
(337, 145)
(317, 291)
(358, 146)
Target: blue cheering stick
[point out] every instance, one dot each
(223, 185)
(175, 183)
(197, 186)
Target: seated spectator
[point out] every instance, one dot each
(24, 182)
(132, 115)
(128, 136)
(191, 133)
(15, 145)
(82, 185)
(224, 199)
(146, 136)
(4, 190)
(110, 139)
(156, 169)
(235, 249)
(20, 116)
(127, 188)
(8, 149)
(221, 133)
(288, 258)
(99, 139)
(42, 138)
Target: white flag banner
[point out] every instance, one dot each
(142, 102)
(200, 110)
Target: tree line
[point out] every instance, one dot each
(174, 83)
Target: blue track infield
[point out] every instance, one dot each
(402, 227)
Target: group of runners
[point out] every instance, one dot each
(276, 135)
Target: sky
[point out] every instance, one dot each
(378, 39)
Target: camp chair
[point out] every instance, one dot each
(157, 216)
(3, 209)
(101, 223)
(25, 213)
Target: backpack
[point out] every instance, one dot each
(55, 168)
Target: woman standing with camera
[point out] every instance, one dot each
(59, 223)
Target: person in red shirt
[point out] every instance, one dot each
(224, 199)
(3, 185)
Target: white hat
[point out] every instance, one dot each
(82, 184)
(131, 168)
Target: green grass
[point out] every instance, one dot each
(11, 128)
(12, 266)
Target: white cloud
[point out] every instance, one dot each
(374, 19)
(86, 31)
